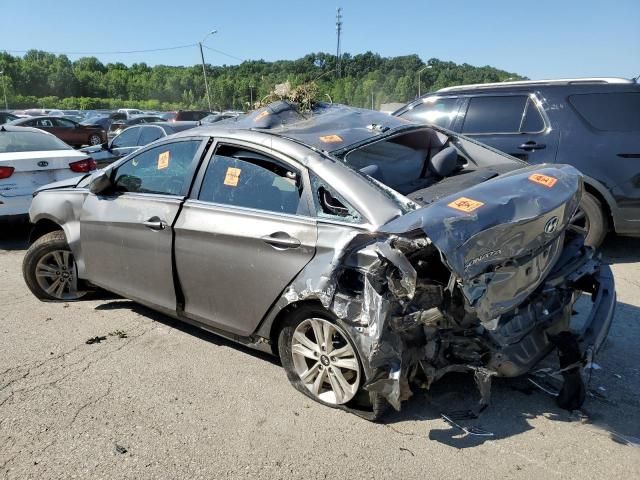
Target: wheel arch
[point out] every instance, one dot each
(596, 189)
(42, 227)
(278, 321)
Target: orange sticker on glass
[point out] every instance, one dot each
(545, 180)
(232, 177)
(465, 204)
(331, 138)
(163, 160)
(262, 114)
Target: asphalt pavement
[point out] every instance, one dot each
(159, 399)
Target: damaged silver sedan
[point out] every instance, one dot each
(371, 254)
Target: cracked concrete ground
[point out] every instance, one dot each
(170, 401)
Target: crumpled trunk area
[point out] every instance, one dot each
(413, 321)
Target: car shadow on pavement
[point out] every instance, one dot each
(124, 304)
(617, 249)
(515, 402)
(14, 235)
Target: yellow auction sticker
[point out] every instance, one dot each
(541, 179)
(331, 138)
(261, 115)
(232, 177)
(163, 160)
(465, 204)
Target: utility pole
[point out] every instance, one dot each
(372, 108)
(338, 32)
(251, 97)
(204, 70)
(4, 91)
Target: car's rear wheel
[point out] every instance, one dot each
(49, 269)
(319, 358)
(590, 221)
(95, 139)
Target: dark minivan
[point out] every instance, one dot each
(591, 123)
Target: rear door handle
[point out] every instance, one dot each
(531, 145)
(281, 240)
(629, 155)
(154, 223)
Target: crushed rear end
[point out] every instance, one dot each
(483, 281)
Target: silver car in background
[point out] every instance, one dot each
(370, 253)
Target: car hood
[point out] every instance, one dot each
(500, 238)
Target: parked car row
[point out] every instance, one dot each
(372, 254)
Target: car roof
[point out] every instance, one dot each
(10, 127)
(327, 127)
(553, 82)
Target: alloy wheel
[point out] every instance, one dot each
(325, 361)
(56, 274)
(579, 222)
(95, 140)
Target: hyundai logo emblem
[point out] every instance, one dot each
(551, 225)
(43, 164)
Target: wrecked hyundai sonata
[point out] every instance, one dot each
(372, 254)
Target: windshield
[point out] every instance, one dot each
(30, 142)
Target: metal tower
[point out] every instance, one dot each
(338, 32)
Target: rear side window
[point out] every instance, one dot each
(165, 169)
(434, 111)
(150, 134)
(618, 112)
(30, 142)
(502, 114)
(248, 179)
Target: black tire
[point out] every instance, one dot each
(46, 245)
(593, 223)
(376, 405)
(94, 137)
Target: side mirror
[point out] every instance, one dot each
(106, 146)
(100, 182)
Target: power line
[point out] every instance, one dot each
(111, 53)
(224, 53)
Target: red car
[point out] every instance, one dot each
(70, 132)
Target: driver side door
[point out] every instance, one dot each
(126, 233)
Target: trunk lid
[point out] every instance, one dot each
(35, 169)
(501, 237)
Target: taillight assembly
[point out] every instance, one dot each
(6, 172)
(83, 166)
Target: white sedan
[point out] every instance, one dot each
(30, 158)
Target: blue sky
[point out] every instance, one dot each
(540, 39)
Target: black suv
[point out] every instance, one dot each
(592, 124)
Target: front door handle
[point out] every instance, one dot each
(154, 223)
(281, 240)
(531, 145)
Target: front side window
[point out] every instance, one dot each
(243, 178)
(435, 111)
(502, 114)
(619, 112)
(128, 138)
(43, 122)
(165, 169)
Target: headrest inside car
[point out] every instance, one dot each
(444, 162)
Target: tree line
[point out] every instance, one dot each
(46, 80)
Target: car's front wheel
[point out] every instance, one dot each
(49, 269)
